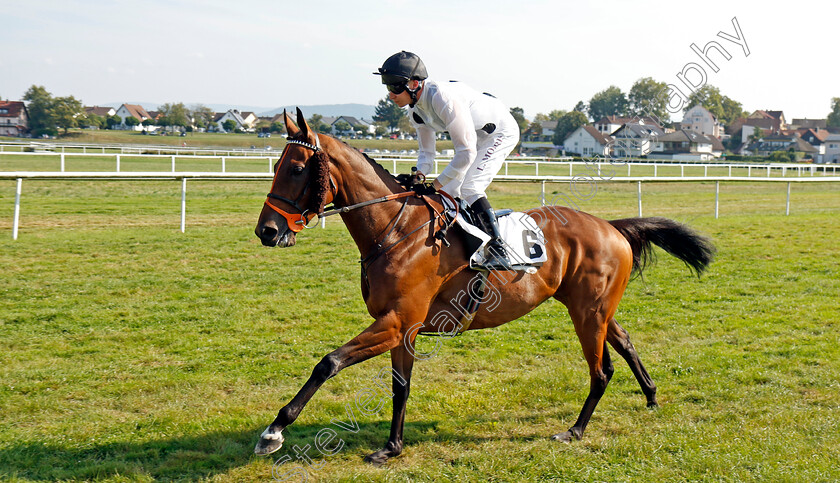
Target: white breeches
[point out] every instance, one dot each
(492, 149)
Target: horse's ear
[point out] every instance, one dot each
(302, 123)
(291, 129)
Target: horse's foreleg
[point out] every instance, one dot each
(620, 340)
(402, 361)
(376, 339)
(592, 335)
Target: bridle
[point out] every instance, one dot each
(300, 220)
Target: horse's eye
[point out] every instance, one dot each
(297, 170)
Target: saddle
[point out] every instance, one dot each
(523, 238)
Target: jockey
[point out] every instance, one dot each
(480, 126)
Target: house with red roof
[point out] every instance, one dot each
(132, 110)
(588, 141)
(14, 118)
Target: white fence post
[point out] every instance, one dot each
(16, 221)
(717, 198)
(223, 165)
(640, 199)
(183, 204)
(173, 163)
(118, 163)
(787, 203)
(62, 162)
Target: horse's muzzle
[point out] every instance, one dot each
(272, 235)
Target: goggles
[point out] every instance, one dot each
(396, 89)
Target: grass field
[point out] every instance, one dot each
(132, 352)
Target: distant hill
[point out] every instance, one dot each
(359, 111)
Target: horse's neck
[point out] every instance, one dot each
(361, 181)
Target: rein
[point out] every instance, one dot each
(299, 221)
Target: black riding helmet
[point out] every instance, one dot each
(400, 68)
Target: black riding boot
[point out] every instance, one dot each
(496, 256)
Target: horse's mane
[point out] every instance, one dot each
(376, 166)
(319, 183)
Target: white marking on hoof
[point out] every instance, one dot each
(272, 436)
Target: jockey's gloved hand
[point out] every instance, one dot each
(424, 189)
(404, 180)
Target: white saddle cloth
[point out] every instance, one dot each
(523, 239)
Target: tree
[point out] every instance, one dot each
(567, 124)
(580, 107)
(534, 131)
(519, 114)
(343, 126)
(315, 122)
(783, 156)
(834, 116)
(147, 123)
(278, 127)
(132, 121)
(229, 125)
(648, 97)
(609, 102)
(174, 115)
(41, 118)
(551, 116)
(726, 110)
(90, 120)
(389, 112)
(202, 115)
(113, 121)
(381, 128)
(66, 110)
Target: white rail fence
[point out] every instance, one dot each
(184, 176)
(618, 168)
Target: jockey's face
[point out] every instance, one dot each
(404, 98)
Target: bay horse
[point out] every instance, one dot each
(409, 277)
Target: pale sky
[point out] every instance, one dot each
(538, 55)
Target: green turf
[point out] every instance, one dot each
(133, 352)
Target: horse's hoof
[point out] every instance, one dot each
(269, 442)
(377, 459)
(564, 437)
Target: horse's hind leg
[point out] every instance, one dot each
(620, 340)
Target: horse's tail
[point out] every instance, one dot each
(696, 250)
